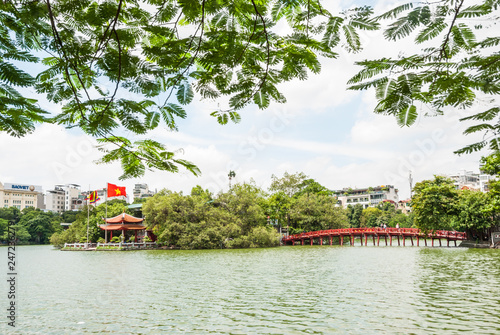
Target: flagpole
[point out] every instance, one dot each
(106, 201)
(88, 216)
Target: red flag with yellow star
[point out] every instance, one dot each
(116, 191)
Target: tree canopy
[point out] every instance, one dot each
(457, 67)
(434, 203)
(130, 66)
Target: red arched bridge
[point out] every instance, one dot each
(401, 234)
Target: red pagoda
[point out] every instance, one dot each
(124, 222)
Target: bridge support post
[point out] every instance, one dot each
(411, 238)
(385, 237)
(378, 240)
(455, 242)
(440, 241)
(425, 240)
(311, 239)
(320, 240)
(417, 240)
(390, 240)
(331, 239)
(352, 240)
(341, 239)
(432, 238)
(448, 242)
(366, 240)
(373, 238)
(302, 241)
(398, 241)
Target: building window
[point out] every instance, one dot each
(6, 201)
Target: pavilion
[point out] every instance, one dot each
(124, 222)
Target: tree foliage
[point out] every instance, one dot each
(317, 212)
(434, 204)
(354, 215)
(198, 221)
(131, 66)
(458, 66)
(30, 225)
(473, 213)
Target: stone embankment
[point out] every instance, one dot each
(477, 244)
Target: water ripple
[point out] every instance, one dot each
(290, 290)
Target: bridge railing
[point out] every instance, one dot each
(377, 230)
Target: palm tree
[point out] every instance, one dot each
(231, 175)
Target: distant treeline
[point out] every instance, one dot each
(247, 216)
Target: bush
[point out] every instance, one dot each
(115, 239)
(259, 237)
(101, 240)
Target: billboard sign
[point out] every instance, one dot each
(23, 187)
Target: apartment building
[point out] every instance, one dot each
(367, 197)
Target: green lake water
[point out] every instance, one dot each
(286, 290)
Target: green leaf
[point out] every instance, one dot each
(478, 127)
(385, 88)
(393, 13)
(261, 99)
(152, 120)
(352, 37)
(488, 115)
(471, 148)
(431, 31)
(474, 11)
(222, 118)
(184, 93)
(235, 117)
(463, 36)
(408, 116)
(331, 37)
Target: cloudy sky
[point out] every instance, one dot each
(329, 133)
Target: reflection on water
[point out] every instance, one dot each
(288, 290)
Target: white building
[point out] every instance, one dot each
(54, 200)
(142, 191)
(21, 196)
(71, 191)
(64, 198)
(367, 197)
(468, 180)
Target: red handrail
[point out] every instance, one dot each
(377, 230)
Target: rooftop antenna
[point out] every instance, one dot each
(410, 179)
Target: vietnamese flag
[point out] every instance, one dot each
(116, 191)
